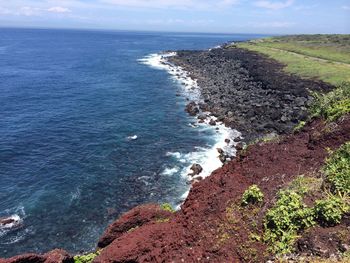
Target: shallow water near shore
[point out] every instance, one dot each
(88, 131)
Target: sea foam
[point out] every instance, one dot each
(207, 157)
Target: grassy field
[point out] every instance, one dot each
(324, 57)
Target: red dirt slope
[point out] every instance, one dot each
(208, 228)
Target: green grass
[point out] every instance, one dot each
(330, 47)
(325, 58)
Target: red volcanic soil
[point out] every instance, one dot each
(211, 226)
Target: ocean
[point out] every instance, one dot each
(92, 124)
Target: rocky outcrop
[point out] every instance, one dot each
(54, 256)
(131, 220)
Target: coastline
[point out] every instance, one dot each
(211, 225)
(225, 138)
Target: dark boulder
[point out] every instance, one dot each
(196, 169)
(192, 108)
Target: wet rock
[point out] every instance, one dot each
(6, 221)
(196, 169)
(192, 108)
(222, 158)
(220, 151)
(239, 146)
(202, 117)
(212, 122)
(227, 141)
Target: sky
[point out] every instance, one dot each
(221, 16)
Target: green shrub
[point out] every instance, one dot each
(167, 207)
(331, 210)
(88, 258)
(337, 169)
(252, 195)
(285, 219)
(332, 105)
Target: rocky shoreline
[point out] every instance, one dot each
(252, 94)
(247, 91)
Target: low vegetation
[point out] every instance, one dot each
(290, 215)
(332, 105)
(330, 211)
(330, 47)
(285, 220)
(167, 207)
(337, 170)
(87, 258)
(252, 195)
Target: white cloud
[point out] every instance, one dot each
(28, 11)
(276, 24)
(176, 4)
(345, 7)
(274, 5)
(59, 9)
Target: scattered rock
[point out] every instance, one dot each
(212, 122)
(192, 108)
(239, 146)
(222, 158)
(196, 169)
(202, 117)
(220, 151)
(227, 141)
(237, 139)
(6, 221)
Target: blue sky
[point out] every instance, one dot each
(231, 16)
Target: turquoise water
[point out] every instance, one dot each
(70, 102)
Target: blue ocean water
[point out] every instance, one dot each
(69, 100)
